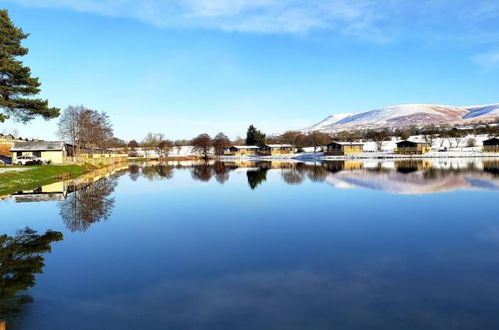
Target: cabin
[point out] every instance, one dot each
(344, 148)
(342, 165)
(7, 138)
(242, 151)
(407, 166)
(491, 145)
(276, 150)
(55, 152)
(407, 147)
(53, 192)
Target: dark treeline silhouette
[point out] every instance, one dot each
(21, 258)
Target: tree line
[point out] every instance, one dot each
(205, 144)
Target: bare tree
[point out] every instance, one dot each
(132, 148)
(221, 143)
(378, 137)
(429, 138)
(69, 126)
(202, 143)
(85, 128)
(471, 142)
(164, 147)
(318, 139)
(150, 143)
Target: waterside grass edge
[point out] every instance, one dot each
(35, 176)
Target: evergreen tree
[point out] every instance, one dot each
(17, 87)
(254, 137)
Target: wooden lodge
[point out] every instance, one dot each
(491, 145)
(407, 166)
(277, 149)
(344, 148)
(242, 151)
(335, 166)
(56, 152)
(407, 147)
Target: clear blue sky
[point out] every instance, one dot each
(191, 66)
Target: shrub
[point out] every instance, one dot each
(5, 150)
(471, 142)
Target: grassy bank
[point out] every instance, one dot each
(36, 176)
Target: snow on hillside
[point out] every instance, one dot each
(407, 115)
(333, 119)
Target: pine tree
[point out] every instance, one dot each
(254, 137)
(17, 87)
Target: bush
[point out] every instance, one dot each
(471, 142)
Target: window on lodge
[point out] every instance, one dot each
(37, 153)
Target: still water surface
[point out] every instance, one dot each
(243, 245)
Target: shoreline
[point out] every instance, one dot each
(35, 176)
(364, 156)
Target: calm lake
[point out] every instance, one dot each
(246, 245)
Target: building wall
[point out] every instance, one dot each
(490, 149)
(55, 157)
(418, 150)
(345, 150)
(276, 152)
(242, 152)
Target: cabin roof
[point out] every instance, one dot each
(38, 146)
(347, 143)
(6, 136)
(245, 147)
(279, 145)
(491, 142)
(407, 142)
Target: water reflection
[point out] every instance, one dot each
(88, 204)
(399, 176)
(256, 177)
(21, 257)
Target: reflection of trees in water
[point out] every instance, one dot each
(202, 172)
(134, 171)
(21, 257)
(152, 172)
(293, 175)
(221, 172)
(88, 204)
(256, 177)
(317, 173)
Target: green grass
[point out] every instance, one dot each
(36, 176)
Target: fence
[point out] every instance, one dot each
(98, 159)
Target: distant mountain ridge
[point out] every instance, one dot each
(405, 115)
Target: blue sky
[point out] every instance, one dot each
(191, 66)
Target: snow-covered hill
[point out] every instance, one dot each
(407, 115)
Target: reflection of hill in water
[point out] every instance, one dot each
(399, 176)
(423, 177)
